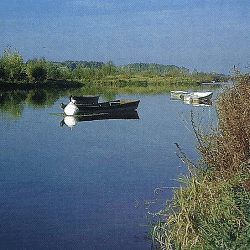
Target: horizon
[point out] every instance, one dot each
(209, 36)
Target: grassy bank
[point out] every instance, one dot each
(212, 208)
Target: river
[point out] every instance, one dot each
(89, 186)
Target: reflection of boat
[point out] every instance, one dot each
(178, 94)
(198, 96)
(84, 99)
(204, 103)
(71, 121)
(97, 108)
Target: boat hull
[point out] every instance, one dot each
(84, 99)
(105, 107)
(178, 94)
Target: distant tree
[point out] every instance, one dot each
(195, 72)
(109, 68)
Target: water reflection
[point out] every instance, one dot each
(178, 96)
(12, 102)
(196, 103)
(71, 121)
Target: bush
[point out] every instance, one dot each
(11, 65)
(2, 73)
(36, 70)
(108, 69)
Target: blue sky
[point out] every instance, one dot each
(206, 35)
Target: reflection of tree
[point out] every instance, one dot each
(12, 104)
(37, 98)
(41, 98)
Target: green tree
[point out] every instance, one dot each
(54, 71)
(109, 68)
(36, 70)
(11, 65)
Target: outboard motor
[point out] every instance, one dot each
(62, 105)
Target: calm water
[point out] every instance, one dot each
(85, 188)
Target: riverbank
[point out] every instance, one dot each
(211, 208)
(138, 77)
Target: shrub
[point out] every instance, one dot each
(36, 70)
(109, 68)
(2, 73)
(54, 71)
(11, 65)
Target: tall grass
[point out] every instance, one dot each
(212, 210)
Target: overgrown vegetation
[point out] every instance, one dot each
(14, 73)
(212, 209)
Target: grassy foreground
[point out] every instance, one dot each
(212, 209)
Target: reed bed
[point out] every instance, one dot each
(211, 210)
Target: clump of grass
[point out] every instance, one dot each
(212, 210)
(206, 214)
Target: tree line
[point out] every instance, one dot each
(14, 70)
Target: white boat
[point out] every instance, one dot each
(178, 94)
(198, 96)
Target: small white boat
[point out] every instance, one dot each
(178, 94)
(198, 96)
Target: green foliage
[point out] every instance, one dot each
(37, 98)
(155, 69)
(85, 74)
(71, 65)
(3, 74)
(12, 104)
(149, 76)
(206, 214)
(36, 70)
(56, 71)
(108, 69)
(11, 65)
